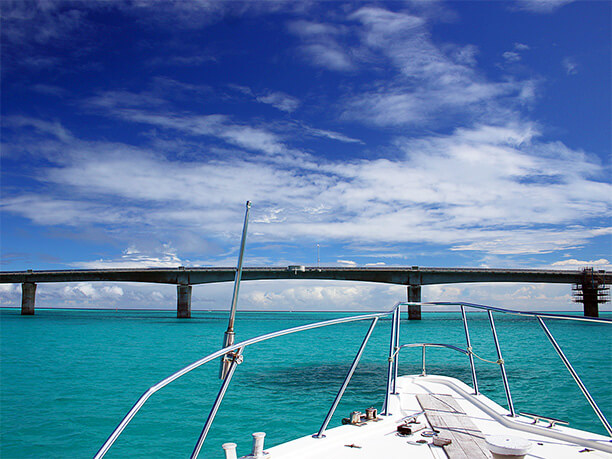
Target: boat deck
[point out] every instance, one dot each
(476, 415)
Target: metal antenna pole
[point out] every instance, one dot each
(228, 338)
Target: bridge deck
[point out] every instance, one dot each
(389, 275)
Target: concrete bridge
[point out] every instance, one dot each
(589, 285)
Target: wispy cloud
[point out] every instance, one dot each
(88, 291)
(24, 23)
(216, 125)
(431, 82)
(570, 65)
(321, 45)
(115, 99)
(277, 99)
(515, 55)
(50, 90)
(541, 6)
(511, 56)
(183, 61)
(349, 263)
(280, 100)
(330, 135)
(573, 264)
(165, 257)
(490, 189)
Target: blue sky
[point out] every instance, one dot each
(469, 134)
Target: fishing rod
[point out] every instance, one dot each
(229, 336)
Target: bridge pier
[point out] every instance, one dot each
(590, 303)
(591, 292)
(414, 294)
(28, 298)
(183, 301)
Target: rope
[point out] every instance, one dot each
(498, 361)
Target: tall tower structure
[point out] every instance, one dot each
(591, 291)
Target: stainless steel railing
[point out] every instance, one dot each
(235, 352)
(500, 361)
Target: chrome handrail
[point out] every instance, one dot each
(221, 352)
(469, 345)
(236, 350)
(539, 316)
(449, 346)
(502, 365)
(545, 315)
(347, 379)
(426, 345)
(392, 361)
(577, 379)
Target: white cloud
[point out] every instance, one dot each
(466, 55)
(329, 55)
(331, 135)
(308, 295)
(511, 56)
(570, 65)
(47, 210)
(53, 128)
(277, 99)
(84, 290)
(310, 29)
(219, 126)
(132, 258)
(101, 295)
(491, 189)
(24, 23)
(280, 100)
(295, 295)
(322, 47)
(346, 262)
(431, 82)
(541, 6)
(574, 264)
(185, 61)
(111, 100)
(525, 297)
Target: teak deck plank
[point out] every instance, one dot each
(445, 416)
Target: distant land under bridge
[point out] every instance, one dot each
(589, 285)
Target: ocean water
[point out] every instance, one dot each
(67, 377)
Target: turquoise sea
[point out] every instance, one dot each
(67, 377)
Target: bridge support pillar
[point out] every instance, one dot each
(414, 294)
(183, 301)
(591, 305)
(591, 291)
(28, 298)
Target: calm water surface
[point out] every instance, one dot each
(67, 377)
